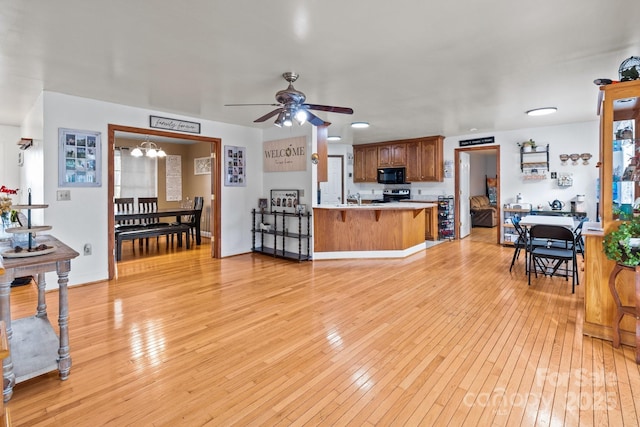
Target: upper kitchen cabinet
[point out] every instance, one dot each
(365, 163)
(422, 158)
(425, 159)
(392, 155)
(431, 159)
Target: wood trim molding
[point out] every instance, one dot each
(323, 153)
(216, 147)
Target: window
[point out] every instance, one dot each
(134, 177)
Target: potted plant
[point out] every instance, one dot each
(528, 146)
(623, 244)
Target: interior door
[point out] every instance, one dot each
(465, 212)
(332, 190)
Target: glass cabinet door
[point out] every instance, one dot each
(626, 158)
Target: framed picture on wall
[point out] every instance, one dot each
(235, 166)
(202, 166)
(79, 158)
(285, 201)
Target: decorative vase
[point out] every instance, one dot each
(526, 148)
(4, 224)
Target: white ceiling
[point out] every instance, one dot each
(409, 67)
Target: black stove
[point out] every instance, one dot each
(395, 195)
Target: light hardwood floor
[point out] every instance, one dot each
(444, 337)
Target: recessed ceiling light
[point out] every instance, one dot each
(473, 129)
(334, 138)
(542, 111)
(359, 125)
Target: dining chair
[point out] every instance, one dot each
(579, 240)
(547, 259)
(149, 204)
(194, 220)
(125, 205)
(521, 243)
(579, 237)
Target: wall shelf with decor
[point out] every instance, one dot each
(535, 163)
(272, 236)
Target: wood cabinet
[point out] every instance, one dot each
(422, 158)
(365, 163)
(431, 223)
(618, 109)
(431, 160)
(392, 155)
(413, 162)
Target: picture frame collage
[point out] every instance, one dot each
(79, 158)
(235, 166)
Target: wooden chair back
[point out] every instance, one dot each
(124, 204)
(148, 204)
(198, 204)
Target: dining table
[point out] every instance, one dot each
(562, 221)
(160, 213)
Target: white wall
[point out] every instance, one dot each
(9, 169)
(84, 218)
(563, 139)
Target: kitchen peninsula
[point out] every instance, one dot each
(386, 230)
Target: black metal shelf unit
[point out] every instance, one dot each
(274, 238)
(534, 160)
(446, 218)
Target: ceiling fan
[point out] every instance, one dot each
(291, 106)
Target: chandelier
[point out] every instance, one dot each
(149, 149)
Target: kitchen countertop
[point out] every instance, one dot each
(379, 206)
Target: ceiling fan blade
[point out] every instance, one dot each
(268, 115)
(329, 108)
(315, 120)
(244, 105)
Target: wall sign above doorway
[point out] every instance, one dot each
(173, 124)
(477, 141)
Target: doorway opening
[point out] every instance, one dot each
(485, 162)
(215, 190)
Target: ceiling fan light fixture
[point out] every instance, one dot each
(301, 116)
(542, 111)
(288, 122)
(359, 125)
(280, 120)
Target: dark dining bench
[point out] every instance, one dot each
(145, 231)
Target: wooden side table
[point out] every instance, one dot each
(34, 347)
(621, 310)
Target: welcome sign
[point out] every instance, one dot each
(285, 155)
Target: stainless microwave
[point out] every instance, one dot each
(391, 176)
